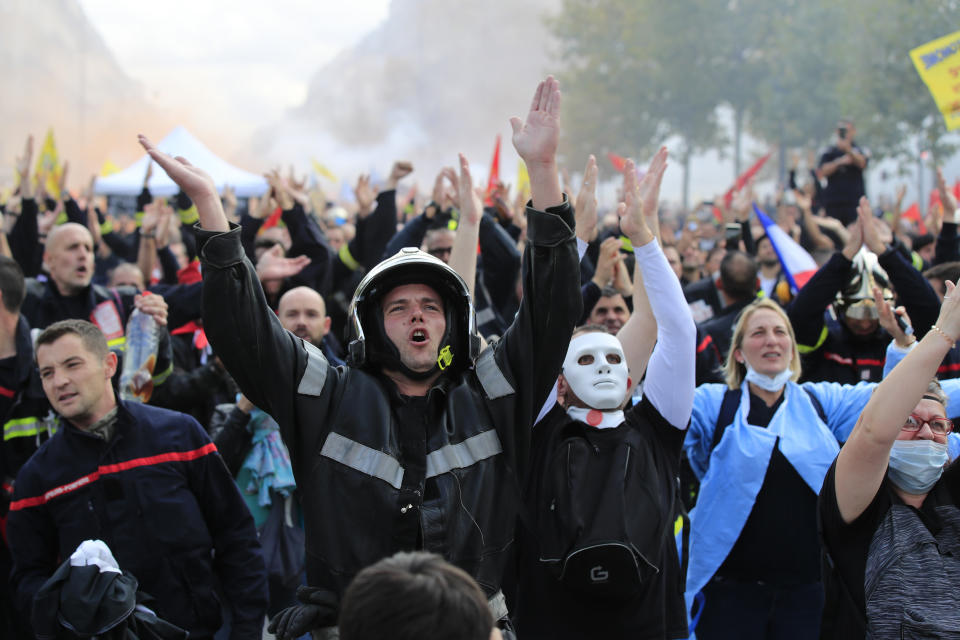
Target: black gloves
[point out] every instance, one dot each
(319, 610)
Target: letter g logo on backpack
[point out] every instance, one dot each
(599, 574)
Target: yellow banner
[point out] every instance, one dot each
(938, 63)
(48, 164)
(523, 179)
(321, 170)
(108, 169)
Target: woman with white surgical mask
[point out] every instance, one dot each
(889, 505)
(761, 445)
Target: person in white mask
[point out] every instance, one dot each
(889, 505)
(596, 556)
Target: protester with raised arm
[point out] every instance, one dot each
(417, 444)
(601, 559)
(889, 504)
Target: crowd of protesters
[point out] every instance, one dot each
(323, 397)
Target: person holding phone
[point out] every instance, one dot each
(842, 165)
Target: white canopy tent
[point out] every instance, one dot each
(180, 142)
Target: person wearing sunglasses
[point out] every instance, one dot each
(889, 516)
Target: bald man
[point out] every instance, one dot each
(303, 313)
(69, 294)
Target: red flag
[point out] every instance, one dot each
(956, 189)
(618, 162)
(272, 219)
(913, 213)
(743, 179)
(493, 180)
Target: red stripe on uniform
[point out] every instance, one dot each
(706, 343)
(174, 456)
(953, 366)
(6, 393)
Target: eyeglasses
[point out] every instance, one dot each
(439, 251)
(939, 426)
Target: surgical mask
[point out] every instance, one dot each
(916, 465)
(601, 381)
(768, 383)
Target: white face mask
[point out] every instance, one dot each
(766, 382)
(916, 465)
(599, 383)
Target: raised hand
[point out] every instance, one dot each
(743, 201)
(400, 170)
(888, 319)
(365, 195)
(804, 202)
(23, 168)
(470, 204)
(607, 260)
(901, 192)
(947, 198)
(152, 305)
(274, 266)
(536, 140)
(873, 236)
(855, 239)
(195, 183)
(585, 207)
(649, 189)
(949, 319)
(62, 183)
(151, 216)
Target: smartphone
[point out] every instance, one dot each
(842, 133)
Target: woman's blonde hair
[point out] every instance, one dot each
(734, 372)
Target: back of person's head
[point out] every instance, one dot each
(738, 276)
(12, 285)
(411, 596)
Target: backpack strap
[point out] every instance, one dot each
(728, 409)
(730, 404)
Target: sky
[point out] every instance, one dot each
(235, 65)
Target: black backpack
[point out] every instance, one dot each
(601, 519)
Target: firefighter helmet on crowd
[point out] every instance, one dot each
(369, 345)
(855, 299)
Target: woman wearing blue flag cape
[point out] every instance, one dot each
(761, 446)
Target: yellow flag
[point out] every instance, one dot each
(108, 169)
(523, 179)
(49, 163)
(938, 63)
(321, 170)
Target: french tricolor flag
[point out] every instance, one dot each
(798, 265)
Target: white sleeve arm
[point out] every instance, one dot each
(671, 374)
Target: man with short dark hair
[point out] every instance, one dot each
(611, 311)
(418, 442)
(410, 596)
(146, 481)
(738, 287)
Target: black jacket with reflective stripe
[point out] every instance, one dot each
(362, 501)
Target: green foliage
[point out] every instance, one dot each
(640, 70)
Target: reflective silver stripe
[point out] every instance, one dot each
(494, 383)
(485, 315)
(311, 384)
(498, 606)
(464, 454)
(364, 459)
